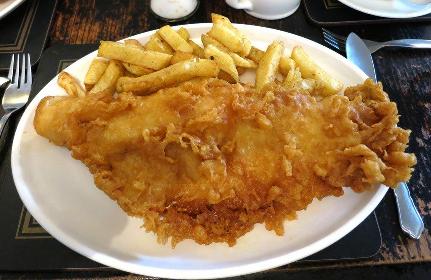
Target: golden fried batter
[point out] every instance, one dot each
(207, 160)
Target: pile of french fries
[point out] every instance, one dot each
(170, 57)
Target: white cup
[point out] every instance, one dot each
(266, 9)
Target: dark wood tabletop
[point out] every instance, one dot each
(405, 74)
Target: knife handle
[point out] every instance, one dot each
(410, 220)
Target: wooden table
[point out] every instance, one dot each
(406, 75)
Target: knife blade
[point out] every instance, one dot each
(410, 220)
(358, 53)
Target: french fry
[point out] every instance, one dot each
(95, 71)
(168, 76)
(286, 63)
(181, 56)
(224, 32)
(293, 79)
(137, 70)
(226, 51)
(109, 78)
(268, 65)
(184, 33)
(133, 55)
(157, 44)
(129, 74)
(70, 84)
(309, 69)
(243, 62)
(216, 18)
(197, 50)
(225, 76)
(174, 39)
(223, 60)
(208, 40)
(255, 54)
(133, 42)
(239, 60)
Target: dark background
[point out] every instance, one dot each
(405, 74)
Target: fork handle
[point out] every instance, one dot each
(409, 43)
(3, 122)
(410, 220)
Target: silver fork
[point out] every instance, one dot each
(339, 42)
(16, 95)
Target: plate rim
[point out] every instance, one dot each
(361, 8)
(235, 270)
(10, 8)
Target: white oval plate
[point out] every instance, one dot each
(388, 8)
(7, 6)
(60, 194)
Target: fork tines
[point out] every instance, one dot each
(17, 77)
(336, 41)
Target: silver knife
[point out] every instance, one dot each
(410, 220)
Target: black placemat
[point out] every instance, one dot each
(334, 13)
(25, 245)
(25, 30)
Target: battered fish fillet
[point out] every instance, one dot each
(207, 160)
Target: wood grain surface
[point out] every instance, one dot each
(405, 74)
